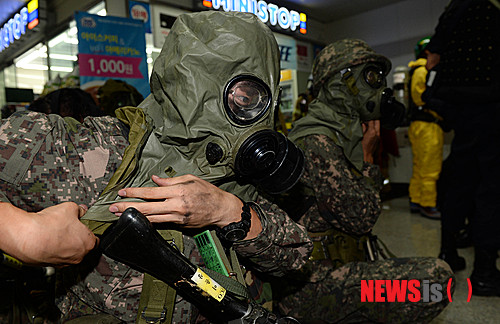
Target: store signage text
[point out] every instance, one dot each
(267, 12)
(111, 47)
(15, 27)
(140, 11)
(285, 52)
(110, 66)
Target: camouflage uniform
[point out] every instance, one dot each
(351, 202)
(68, 161)
(340, 191)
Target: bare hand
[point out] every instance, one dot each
(432, 60)
(371, 138)
(53, 236)
(185, 200)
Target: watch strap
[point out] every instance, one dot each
(237, 231)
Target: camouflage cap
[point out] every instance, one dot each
(343, 54)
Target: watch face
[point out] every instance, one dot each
(235, 234)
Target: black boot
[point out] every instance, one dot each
(464, 239)
(451, 257)
(485, 278)
(449, 253)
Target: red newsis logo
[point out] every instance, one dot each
(400, 291)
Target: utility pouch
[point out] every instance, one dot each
(337, 246)
(343, 248)
(217, 263)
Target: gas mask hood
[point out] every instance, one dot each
(216, 85)
(367, 82)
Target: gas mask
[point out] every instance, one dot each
(368, 83)
(261, 155)
(215, 85)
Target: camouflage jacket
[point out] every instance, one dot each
(45, 160)
(345, 199)
(333, 194)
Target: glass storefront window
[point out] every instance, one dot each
(10, 77)
(63, 51)
(29, 70)
(152, 52)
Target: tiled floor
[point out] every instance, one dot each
(409, 234)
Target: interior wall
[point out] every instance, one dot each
(65, 9)
(391, 30)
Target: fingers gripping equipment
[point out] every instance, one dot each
(134, 241)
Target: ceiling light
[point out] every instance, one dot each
(57, 40)
(64, 57)
(40, 67)
(72, 31)
(73, 40)
(30, 76)
(61, 68)
(28, 58)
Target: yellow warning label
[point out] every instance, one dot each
(208, 285)
(12, 261)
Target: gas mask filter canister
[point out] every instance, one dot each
(390, 111)
(270, 161)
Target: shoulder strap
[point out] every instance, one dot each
(157, 298)
(157, 301)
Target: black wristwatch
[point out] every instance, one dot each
(237, 231)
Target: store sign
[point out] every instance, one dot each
(304, 56)
(15, 27)
(267, 12)
(163, 17)
(140, 11)
(288, 51)
(112, 47)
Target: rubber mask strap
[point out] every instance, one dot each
(349, 80)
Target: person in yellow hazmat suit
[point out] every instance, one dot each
(426, 137)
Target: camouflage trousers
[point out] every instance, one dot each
(337, 298)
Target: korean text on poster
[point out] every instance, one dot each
(112, 48)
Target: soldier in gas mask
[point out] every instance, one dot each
(208, 126)
(337, 198)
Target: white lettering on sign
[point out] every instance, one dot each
(15, 27)
(267, 12)
(139, 12)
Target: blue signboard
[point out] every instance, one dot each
(112, 48)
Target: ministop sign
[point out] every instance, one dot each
(276, 16)
(15, 27)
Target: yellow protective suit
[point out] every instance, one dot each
(426, 140)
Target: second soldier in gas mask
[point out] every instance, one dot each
(338, 200)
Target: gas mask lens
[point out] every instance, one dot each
(246, 98)
(374, 76)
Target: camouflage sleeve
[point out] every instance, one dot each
(282, 245)
(373, 176)
(347, 199)
(47, 159)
